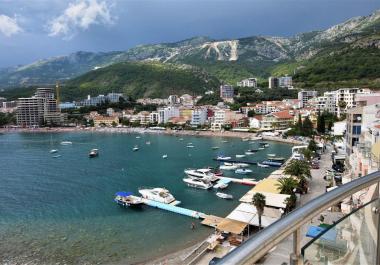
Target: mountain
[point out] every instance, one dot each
(232, 59)
(140, 79)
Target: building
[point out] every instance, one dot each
(198, 116)
(173, 100)
(144, 117)
(39, 109)
(110, 111)
(285, 82)
(106, 120)
(186, 100)
(67, 105)
(218, 120)
(277, 120)
(345, 98)
(250, 82)
(255, 122)
(94, 101)
(226, 92)
(305, 95)
(153, 117)
(164, 114)
(272, 82)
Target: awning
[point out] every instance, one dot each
(231, 226)
(375, 150)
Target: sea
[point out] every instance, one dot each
(60, 210)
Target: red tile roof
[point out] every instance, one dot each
(285, 114)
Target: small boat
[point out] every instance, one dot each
(245, 139)
(221, 158)
(248, 153)
(277, 159)
(224, 195)
(136, 148)
(243, 171)
(138, 137)
(56, 156)
(228, 167)
(165, 156)
(241, 164)
(261, 165)
(271, 155)
(220, 186)
(215, 147)
(181, 139)
(53, 151)
(272, 163)
(264, 144)
(261, 148)
(253, 150)
(127, 199)
(93, 153)
(197, 183)
(224, 141)
(190, 146)
(66, 143)
(148, 143)
(239, 156)
(157, 194)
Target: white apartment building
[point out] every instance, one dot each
(305, 95)
(198, 116)
(249, 82)
(153, 117)
(285, 82)
(164, 114)
(348, 95)
(218, 120)
(173, 99)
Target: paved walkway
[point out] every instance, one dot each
(280, 255)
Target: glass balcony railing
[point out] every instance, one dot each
(351, 240)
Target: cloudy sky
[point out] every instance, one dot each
(36, 29)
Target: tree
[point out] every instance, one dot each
(321, 123)
(287, 185)
(258, 201)
(290, 203)
(299, 125)
(312, 146)
(298, 168)
(307, 127)
(251, 113)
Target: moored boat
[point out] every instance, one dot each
(228, 167)
(239, 156)
(93, 153)
(243, 171)
(165, 156)
(221, 158)
(197, 183)
(272, 163)
(215, 147)
(53, 151)
(271, 155)
(56, 156)
(66, 143)
(127, 199)
(262, 165)
(157, 194)
(224, 195)
(205, 174)
(248, 153)
(136, 148)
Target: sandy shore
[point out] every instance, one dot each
(233, 134)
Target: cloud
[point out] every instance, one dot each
(80, 16)
(9, 26)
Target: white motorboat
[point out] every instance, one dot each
(190, 146)
(223, 158)
(201, 173)
(138, 137)
(271, 155)
(239, 156)
(148, 143)
(157, 194)
(215, 147)
(261, 165)
(241, 165)
(66, 143)
(127, 199)
(220, 186)
(245, 139)
(56, 156)
(197, 183)
(248, 153)
(181, 139)
(136, 148)
(224, 195)
(243, 171)
(53, 151)
(224, 141)
(261, 148)
(228, 167)
(93, 153)
(165, 156)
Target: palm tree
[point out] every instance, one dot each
(259, 201)
(287, 185)
(298, 168)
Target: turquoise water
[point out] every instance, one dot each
(61, 210)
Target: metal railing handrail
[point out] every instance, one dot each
(261, 243)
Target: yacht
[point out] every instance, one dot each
(157, 194)
(243, 171)
(66, 143)
(93, 153)
(272, 163)
(197, 183)
(239, 156)
(262, 165)
(223, 158)
(127, 199)
(224, 196)
(202, 173)
(136, 148)
(53, 151)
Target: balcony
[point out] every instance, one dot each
(353, 239)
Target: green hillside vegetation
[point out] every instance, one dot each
(139, 80)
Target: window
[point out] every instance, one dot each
(356, 129)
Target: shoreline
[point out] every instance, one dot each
(131, 130)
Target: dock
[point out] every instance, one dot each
(244, 181)
(174, 209)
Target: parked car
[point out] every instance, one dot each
(338, 167)
(314, 166)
